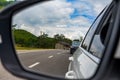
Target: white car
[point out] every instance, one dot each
(86, 58)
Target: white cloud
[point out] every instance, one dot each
(99, 5)
(71, 33)
(54, 17)
(51, 12)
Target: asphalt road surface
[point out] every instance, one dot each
(49, 62)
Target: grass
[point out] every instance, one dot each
(26, 48)
(29, 48)
(1, 7)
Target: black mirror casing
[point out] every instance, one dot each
(8, 54)
(8, 57)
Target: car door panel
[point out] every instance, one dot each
(97, 47)
(85, 62)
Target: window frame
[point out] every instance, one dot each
(102, 12)
(100, 26)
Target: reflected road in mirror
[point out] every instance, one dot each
(51, 62)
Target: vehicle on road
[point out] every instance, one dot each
(87, 57)
(74, 46)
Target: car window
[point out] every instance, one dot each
(75, 43)
(98, 43)
(91, 31)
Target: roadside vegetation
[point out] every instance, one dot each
(26, 40)
(26, 48)
(4, 3)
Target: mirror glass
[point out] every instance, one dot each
(48, 37)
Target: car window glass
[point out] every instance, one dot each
(88, 38)
(75, 43)
(97, 46)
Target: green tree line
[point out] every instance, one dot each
(27, 39)
(4, 3)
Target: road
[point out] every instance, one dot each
(4, 75)
(50, 62)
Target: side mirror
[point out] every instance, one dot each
(36, 37)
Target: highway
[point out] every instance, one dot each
(49, 62)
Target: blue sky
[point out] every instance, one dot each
(85, 12)
(69, 17)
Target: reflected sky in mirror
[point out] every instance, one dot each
(71, 17)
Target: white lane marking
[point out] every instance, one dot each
(50, 56)
(35, 64)
(58, 53)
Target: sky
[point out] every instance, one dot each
(72, 18)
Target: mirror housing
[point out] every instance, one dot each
(9, 58)
(8, 53)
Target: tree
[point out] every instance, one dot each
(3, 3)
(67, 40)
(24, 38)
(44, 35)
(13, 26)
(2, 0)
(56, 36)
(59, 37)
(62, 36)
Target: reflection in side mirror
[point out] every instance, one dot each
(44, 34)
